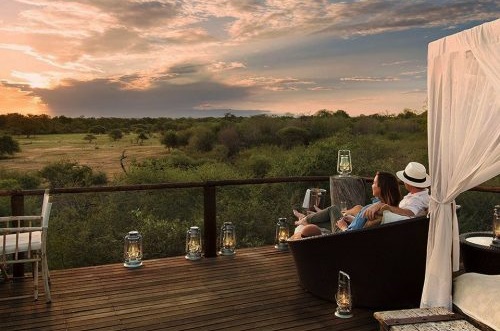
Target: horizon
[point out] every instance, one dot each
(136, 59)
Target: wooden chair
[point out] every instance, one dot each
(23, 239)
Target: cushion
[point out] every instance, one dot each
(389, 217)
(10, 244)
(476, 295)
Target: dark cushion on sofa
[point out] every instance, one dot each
(386, 263)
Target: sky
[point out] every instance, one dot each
(199, 58)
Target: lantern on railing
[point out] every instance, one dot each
(227, 239)
(343, 296)
(282, 234)
(132, 250)
(193, 243)
(344, 164)
(496, 227)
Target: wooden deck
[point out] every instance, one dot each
(257, 289)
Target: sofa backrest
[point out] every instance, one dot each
(386, 263)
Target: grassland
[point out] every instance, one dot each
(102, 154)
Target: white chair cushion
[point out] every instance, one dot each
(10, 247)
(477, 296)
(389, 217)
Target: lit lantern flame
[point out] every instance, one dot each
(282, 234)
(343, 296)
(133, 250)
(228, 239)
(193, 243)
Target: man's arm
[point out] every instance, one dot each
(378, 208)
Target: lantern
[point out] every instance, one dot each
(227, 239)
(282, 234)
(193, 243)
(496, 227)
(132, 250)
(344, 165)
(343, 296)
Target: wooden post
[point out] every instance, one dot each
(347, 188)
(209, 221)
(17, 209)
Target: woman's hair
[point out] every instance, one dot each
(389, 188)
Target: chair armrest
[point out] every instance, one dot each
(20, 230)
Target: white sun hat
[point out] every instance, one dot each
(415, 175)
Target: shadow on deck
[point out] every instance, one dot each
(257, 289)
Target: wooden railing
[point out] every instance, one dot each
(209, 194)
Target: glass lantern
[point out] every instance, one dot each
(227, 239)
(132, 250)
(282, 234)
(343, 296)
(496, 227)
(193, 243)
(344, 164)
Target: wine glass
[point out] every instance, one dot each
(343, 207)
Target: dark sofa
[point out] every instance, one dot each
(386, 263)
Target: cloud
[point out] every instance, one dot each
(369, 79)
(108, 98)
(273, 83)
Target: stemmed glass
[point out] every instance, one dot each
(343, 207)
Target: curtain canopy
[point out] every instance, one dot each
(463, 83)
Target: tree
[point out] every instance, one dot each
(8, 145)
(141, 136)
(292, 135)
(170, 140)
(89, 138)
(97, 129)
(71, 174)
(116, 134)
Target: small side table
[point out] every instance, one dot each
(477, 254)
(422, 319)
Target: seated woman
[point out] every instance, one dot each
(385, 189)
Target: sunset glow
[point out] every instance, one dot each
(165, 58)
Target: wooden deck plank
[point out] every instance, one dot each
(257, 289)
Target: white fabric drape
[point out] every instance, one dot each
(463, 82)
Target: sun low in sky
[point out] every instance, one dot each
(162, 58)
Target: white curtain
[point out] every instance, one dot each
(463, 83)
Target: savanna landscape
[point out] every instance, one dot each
(64, 152)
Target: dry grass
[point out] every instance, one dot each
(102, 154)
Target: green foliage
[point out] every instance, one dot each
(8, 146)
(89, 138)
(170, 140)
(71, 174)
(116, 134)
(292, 135)
(15, 180)
(97, 129)
(202, 139)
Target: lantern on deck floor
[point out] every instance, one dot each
(282, 234)
(227, 239)
(193, 243)
(344, 164)
(496, 227)
(343, 296)
(132, 250)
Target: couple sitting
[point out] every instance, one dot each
(386, 196)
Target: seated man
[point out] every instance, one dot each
(308, 230)
(416, 202)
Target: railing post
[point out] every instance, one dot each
(17, 209)
(209, 220)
